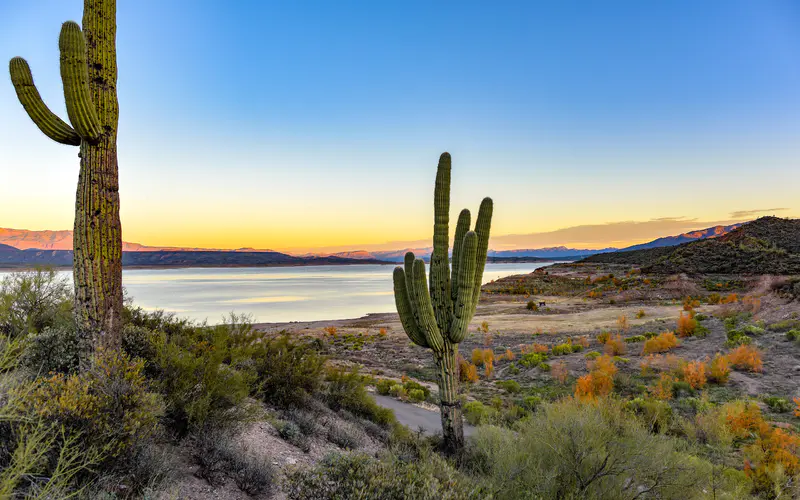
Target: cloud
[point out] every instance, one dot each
(740, 214)
(611, 234)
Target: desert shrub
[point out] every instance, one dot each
(655, 414)
(694, 373)
(635, 338)
(56, 349)
(561, 349)
(560, 372)
(535, 348)
(476, 413)
(510, 386)
(640, 314)
(467, 372)
(108, 404)
(600, 380)
(660, 343)
(591, 355)
(509, 355)
(287, 370)
(218, 456)
(416, 395)
(545, 367)
(306, 421)
(531, 360)
(290, 432)
(686, 325)
(346, 391)
(31, 301)
(793, 335)
(345, 435)
(531, 306)
(701, 331)
(199, 387)
(361, 477)
(662, 388)
(512, 369)
(737, 338)
(531, 402)
(745, 357)
(141, 342)
(575, 450)
(776, 404)
(384, 386)
(650, 335)
(603, 337)
(719, 369)
(615, 346)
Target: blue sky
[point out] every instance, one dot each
(318, 124)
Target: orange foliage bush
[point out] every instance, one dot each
(662, 388)
(535, 348)
(599, 382)
(603, 337)
(615, 346)
(746, 357)
(467, 372)
(382, 332)
(730, 299)
(330, 330)
(719, 369)
(510, 355)
(559, 371)
(584, 341)
(797, 410)
(694, 373)
(622, 323)
(751, 304)
(686, 325)
(660, 343)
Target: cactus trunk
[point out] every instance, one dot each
(450, 404)
(437, 317)
(89, 75)
(97, 265)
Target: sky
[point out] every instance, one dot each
(318, 125)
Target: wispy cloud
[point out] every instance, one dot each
(739, 214)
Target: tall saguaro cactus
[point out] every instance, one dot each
(89, 75)
(437, 317)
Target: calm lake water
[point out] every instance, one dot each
(275, 294)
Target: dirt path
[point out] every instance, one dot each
(416, 418)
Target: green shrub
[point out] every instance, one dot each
(290, 432)
(398, 391)
(31, 301)
(577, 348)
(545, 367)
(531, 306)
(700, 317)
(306, 421)
(287, 370)
(532, 359)
(512, 369)
(531, 402)
(476, 413)
(411, 385)
(592, 355)
(346, 391)
(599, 450)
(701, 331)
(361, 477)
(655, 414)
(793, 335)
(384, 386)
(737, 338)
(778, 405)
(108, 404)
(53, 350)
(561, 349)
(650, 335)
(510, 386)
(635, 338)
(200, 388)
(416, 395)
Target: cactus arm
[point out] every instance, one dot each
(461, 230)
(75, 75)
(404, 308)
(426, 319)
(482, 229)
(462, 307)
(408, 262)
(440, 267)
(51, 125)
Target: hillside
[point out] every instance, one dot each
(671, 241)
(769, 245)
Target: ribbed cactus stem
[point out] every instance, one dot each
(440, 265)
(75, 75)
(48, 122)
(439, 317)
(466, 285)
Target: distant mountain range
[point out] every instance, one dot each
(768, 245)
(19, 247)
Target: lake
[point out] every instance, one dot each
(275, 294)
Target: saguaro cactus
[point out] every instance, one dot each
(437, 318)
(89, 75)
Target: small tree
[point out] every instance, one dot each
(437, 317)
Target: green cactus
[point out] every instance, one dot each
(438, 317)
(89, 75)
